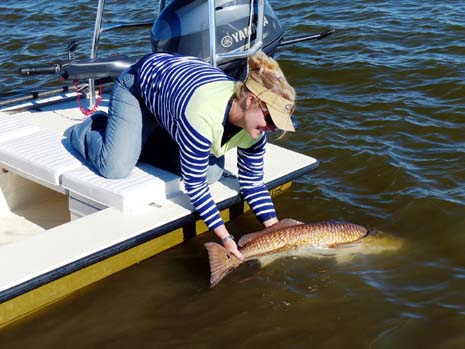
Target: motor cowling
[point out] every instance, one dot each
(182, 27)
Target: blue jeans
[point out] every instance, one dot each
(113, 143)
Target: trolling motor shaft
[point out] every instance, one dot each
(79, 70)
(41, 69)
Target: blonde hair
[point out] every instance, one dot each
(266, 71)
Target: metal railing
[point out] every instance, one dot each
(94, 49)
(215, 58)
(98, 29)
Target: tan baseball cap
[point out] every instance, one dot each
(280, 108)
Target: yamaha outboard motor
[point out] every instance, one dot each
(182, 27)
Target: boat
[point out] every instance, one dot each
(63, 227)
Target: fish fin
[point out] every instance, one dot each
(221, 263)
(284, 223)
(266, 260)
(347, 245)
(344, 258)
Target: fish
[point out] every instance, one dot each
(375, 242)
(286, 235)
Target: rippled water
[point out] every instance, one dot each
(381, 105)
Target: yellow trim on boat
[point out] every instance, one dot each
(47, 294)
(36, 299)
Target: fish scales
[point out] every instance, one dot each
(287, 234)
(319, 234)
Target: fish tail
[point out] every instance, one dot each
(221, 263)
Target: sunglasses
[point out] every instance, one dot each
(266, 113)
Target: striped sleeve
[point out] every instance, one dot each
(253, 190)
(194, 152)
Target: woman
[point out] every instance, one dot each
(198, 113)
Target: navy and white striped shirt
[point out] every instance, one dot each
(166, 84)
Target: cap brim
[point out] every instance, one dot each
(279, 107)
(282, 120)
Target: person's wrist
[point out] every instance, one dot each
(269, 222)
(226, 238)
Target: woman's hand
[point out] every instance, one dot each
(231, 247)
(228, 241)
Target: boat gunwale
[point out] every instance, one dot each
(72, 267)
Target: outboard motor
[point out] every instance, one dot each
(182, 27)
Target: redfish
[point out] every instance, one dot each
(286, 235)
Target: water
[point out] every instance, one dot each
(381, 105)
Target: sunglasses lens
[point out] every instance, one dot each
(266, 113)
(269, 120)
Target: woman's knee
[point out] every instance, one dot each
(115, 170)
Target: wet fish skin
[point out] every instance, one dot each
(288, 234)
(325, 234)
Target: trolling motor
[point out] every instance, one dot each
(98, 69)
(72, 69)
(184, 27)
(223, 32)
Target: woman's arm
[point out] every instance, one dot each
(268, 223)
(250, 162)
(194, 153)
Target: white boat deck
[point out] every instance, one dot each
(32, 146)
(57, 214)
